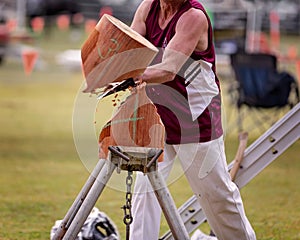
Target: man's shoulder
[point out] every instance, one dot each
(145, 6)
(194, 15)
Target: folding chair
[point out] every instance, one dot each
(260, 86)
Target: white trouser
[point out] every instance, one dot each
(205, 167)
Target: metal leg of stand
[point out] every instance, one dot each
(90, 201)
(78, 201)
(87, 198)
(168, 206)
(147, 163)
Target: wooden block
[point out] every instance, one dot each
(114, 52)
(135, 124)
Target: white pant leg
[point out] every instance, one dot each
(219, 197)
(146, 210)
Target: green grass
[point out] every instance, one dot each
(41, 172)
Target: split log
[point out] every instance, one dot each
(114, 52)
(135, 124)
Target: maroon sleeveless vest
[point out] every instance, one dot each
(170, 97)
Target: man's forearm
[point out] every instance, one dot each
(165, 71)
(154, 74)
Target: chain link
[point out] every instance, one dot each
(127, 207)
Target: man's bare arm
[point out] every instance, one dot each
(191, 34)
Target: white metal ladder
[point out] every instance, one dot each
(256, 158)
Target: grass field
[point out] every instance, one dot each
(41, 172)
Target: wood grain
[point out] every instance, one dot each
(114, 52)
(135, 124)
(243, 139)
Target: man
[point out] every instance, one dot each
(183, 86)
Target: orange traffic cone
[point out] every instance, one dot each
(63, 22)
(90, 24)
(29, 58)
(275, 30)
(292, 52)
(11, 24)
(37, 24)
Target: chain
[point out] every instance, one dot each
(127, 207)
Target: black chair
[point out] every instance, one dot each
(261, 86)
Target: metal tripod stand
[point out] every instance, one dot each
(121, 158)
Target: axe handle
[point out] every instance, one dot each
(243, 138)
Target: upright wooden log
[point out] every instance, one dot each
(135, 124)
(114, 52)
